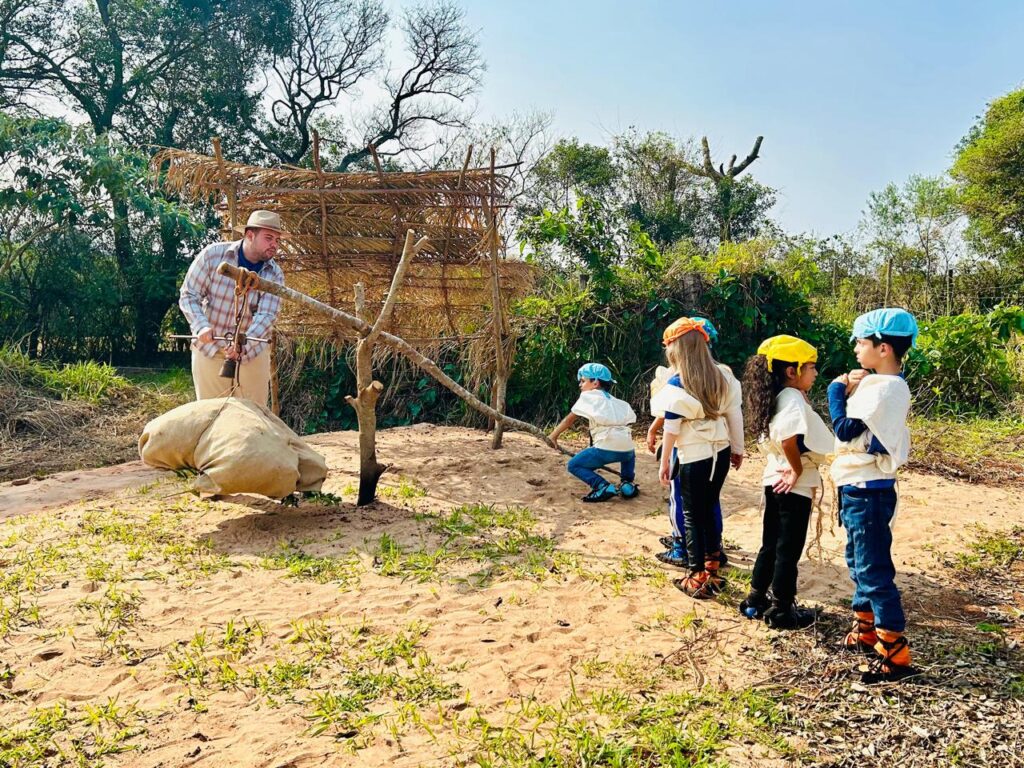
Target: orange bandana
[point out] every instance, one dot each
(681, 327)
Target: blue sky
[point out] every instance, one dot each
(849, 96)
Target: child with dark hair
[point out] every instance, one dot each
(869, 415)
(795, 440)
(699, 402)
(611, 440)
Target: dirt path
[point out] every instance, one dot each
(242, 632)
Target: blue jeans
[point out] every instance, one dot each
(866, 513)
(583, 464)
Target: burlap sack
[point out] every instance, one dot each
(236, 445)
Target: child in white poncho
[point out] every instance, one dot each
(612, 442)
(695, 403)
(795, 441)
(869, 415)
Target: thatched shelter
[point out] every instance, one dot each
(348, 228)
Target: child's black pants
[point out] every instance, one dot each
(700, 488)
(786, 517)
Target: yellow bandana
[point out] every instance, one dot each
(789, 349)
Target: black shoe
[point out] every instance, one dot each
(789, 616)
(754, 605)
(603, 493)
(671, 542)
(628, 489)
(723, 560)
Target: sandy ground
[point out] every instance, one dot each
(596, 611)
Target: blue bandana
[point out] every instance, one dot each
(595, 371)
(888, 321)
(708, 328)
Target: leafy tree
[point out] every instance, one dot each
(660, 192)
(990, 169)
(573, 169)
(914, 235)
(154, 71)
(63, 285)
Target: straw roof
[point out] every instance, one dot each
(346, 228)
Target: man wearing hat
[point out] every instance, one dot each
(207, 300)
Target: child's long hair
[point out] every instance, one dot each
(701, 378)
(760, 388)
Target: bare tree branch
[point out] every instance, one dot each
(446, 67)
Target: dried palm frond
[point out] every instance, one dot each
(348, 228)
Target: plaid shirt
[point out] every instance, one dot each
(207, 300)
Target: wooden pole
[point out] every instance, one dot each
(498, 317)
(397, 343)
(229, 189)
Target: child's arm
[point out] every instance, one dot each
(652, 433)
(563, 425)
(666, 456)
(790, 447)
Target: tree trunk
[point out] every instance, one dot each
(365, 405)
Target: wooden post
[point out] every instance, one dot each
(949, 291)
(888, 280)
(229, 189)
(497, 315)
(367, 390)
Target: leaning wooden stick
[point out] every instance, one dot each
(397, 343)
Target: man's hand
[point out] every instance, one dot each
(843, 379)
(785, 483)
(232, 354)
(663, 474)
(553, 437)
(736, 460)
(205, 336)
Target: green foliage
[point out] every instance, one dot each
(89, 381)
(990, 169)
(68, 289)
(750, 291)
(962, 364)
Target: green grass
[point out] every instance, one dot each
(991, 549)
(57, 735)
(345, 571)
(978, 449)
(89, 381)
(615, 727)
(175, 382)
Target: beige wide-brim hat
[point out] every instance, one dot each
(263, 220)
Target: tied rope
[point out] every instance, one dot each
(246, 282)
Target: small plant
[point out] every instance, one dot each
(323, 570)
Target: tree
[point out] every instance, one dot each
(333, 46)
(989, 167)
(734, 203)
(429, 93)
(573, 169)
(914, 234)
(58, 268)
(150, 72)
(660, 192)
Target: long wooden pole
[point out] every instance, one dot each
(398, 344)
(497, 315)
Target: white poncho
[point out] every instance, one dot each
(882, 402)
